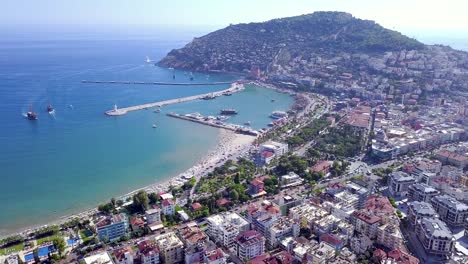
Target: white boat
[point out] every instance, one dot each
(278, 114)
(154, 126)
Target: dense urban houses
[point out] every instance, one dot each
(263, 217)
(148, 252)
(249, 244)
(366, 224)
(399, 183)
(171, 249)
(111, 228)
(124, 255)
(284, 227)
(390, 236)
(224, 227)
(421, 192)
(419, 210)
(453, 158)
(450, 210)
(435, 237)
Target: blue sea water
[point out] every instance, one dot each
(60, 165)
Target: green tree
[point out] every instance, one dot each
(141, 201)
(234, 195)
(153, 197)
(59, 244)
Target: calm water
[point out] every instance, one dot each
(56, 166)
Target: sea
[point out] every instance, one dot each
(73, 160)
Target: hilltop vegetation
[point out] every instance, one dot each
(239, 47)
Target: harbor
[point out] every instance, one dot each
(214, 122)
(155, 83)
(235, 87)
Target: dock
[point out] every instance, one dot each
(235, 87)
(155, 83)
(197, 118)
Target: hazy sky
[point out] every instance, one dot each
(402, 15)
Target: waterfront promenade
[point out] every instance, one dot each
(235, 87)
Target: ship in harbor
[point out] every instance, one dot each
(278, 114)
(31, 115)
(229, 111)
(209, 97)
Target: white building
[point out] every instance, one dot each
(450, 210)
(276, 147)
(284, 227)
(435, 236)
(168, 207)
(419, 210)
(421, 192)
(290, 179)
(100, 257)
(224, 228)
(399, 183)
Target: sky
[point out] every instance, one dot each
(408, 16)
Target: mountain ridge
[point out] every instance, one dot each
(327, 31)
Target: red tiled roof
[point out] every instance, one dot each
(321, 166)
(256, 182)
(215, 254)
(402, 257)
(120, 253)
(379, 205)
(267, 154)
(167, 202)
(380, 254)
(223, 202)
(137, 221)
(330, 239)
(370, 219)
(147, 248)
(196, 206)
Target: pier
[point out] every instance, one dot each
(155, 83)
(209, 121)
(235, 87)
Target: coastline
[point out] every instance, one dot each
(230, 145)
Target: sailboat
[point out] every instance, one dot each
(148, 60)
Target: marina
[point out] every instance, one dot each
(214, 122)
(235, 87)
(156, 83)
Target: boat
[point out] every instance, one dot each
(272, 100)
(50, 109)
(270, 124)
(148, 60)
(191, 76)
(278, 114)
(208, 97)
(157, 111)
(222, 118)
(154, 126)
(227, 94)
(31, 115)
(248, 123)
(229, 111)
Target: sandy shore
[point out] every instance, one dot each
(230, 146)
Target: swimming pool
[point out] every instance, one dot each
(72, 241)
